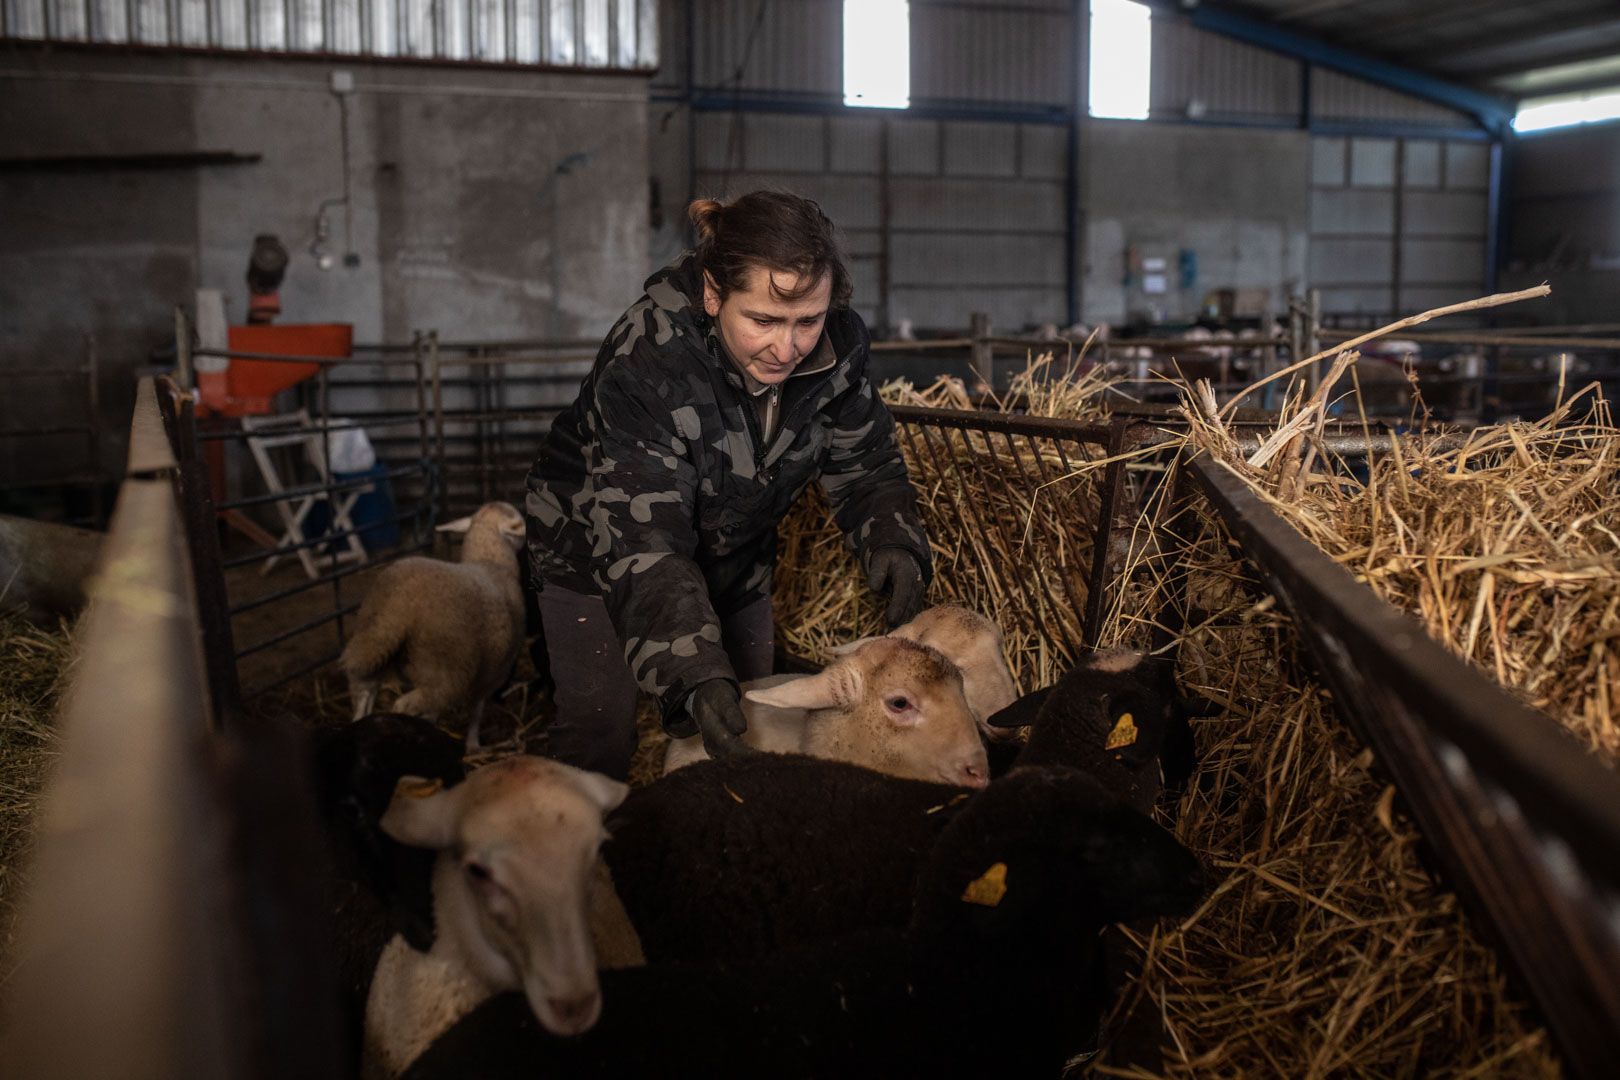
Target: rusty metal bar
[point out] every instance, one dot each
(195, 497)
(331, 576)
(1067, 579)
(1112, 501)
(40, 432)
(321, 489)
(1524, 821)
(386, 420)
(913, 433)
(991, 523)
(294, 631)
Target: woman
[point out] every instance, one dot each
(719, 396)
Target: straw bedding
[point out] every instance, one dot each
(32, 665)
(1327, 949)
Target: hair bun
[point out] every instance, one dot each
(705, 215)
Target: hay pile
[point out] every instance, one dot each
(990, 503)
(1506, 546)
(1327, 949)
(33, 665)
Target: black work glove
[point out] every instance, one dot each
(716, 707)
(894, 573)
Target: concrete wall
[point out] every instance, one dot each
(1238, 199)
(455, 201)
(1397, 225)
(1565, 209)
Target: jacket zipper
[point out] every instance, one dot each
(751, 419)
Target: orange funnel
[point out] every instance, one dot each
(248, 387)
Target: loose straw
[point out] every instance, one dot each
(1494, 300)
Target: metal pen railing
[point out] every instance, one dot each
(1524, 821)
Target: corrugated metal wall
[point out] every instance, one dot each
(787, 46)
(1397, 225)
(584, 33)
(1338, 98)
(1007, 53)
(1206, 76)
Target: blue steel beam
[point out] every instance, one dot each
(1493, 113)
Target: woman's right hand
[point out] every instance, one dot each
(716, 705)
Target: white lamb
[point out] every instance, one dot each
(974, 644)
(519, 902)
(891, 705)
(452, 631)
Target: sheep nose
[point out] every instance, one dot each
(573, 1013)
(975, 775)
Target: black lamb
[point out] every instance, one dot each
(994, 975)
(1115, 715)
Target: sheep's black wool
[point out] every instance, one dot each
(985, 981)
(1070, 722)
(378, 886)
(357, 766)
(739, 857)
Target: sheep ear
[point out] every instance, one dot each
(837, 686)
(423, 813)
(1020, 713)
(1112, 660)
(849, 647)
(606, 792)
(460, 525)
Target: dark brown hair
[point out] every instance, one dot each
(774, 231)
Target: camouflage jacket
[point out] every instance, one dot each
(653, 489)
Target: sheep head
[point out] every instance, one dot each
(891, 705)
(493, 527)
(974, 644)
(517, 842)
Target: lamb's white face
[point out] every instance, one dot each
(974, 644)
(893, 706)
(525, 833)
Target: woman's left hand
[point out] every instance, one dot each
(894, 572)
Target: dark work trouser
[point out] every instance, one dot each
(595, 726)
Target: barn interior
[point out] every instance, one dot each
(1273, 340)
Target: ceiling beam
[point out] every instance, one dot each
(1601, 52)
(1311, 11)
(1425, 15)
(1493, 113)
(1526, 36)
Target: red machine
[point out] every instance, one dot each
(248, 387)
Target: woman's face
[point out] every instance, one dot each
(764, 333)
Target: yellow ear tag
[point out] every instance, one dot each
(988, 888)
(417, 789)
(1124, 733)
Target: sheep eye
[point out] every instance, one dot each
(899, 704)
(478, 872)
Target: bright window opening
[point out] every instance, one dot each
(1538, 114)
(1121, 59)
(877, 53)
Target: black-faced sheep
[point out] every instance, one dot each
(891, 705)
(452, 631)
(993, 975)
(513, 900)
(1116, 715)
